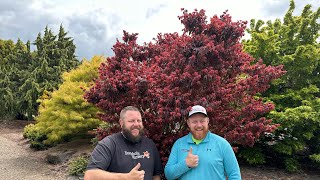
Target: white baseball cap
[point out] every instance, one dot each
(197, 109)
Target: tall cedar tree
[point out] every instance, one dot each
(293, 42)
(14, 58)
(55, 54)
(205, 65)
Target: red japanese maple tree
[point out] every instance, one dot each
(164, 78)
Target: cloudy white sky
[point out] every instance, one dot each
(96, 24)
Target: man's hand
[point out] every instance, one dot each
(192, 160)
(135, 174)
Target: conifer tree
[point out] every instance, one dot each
(293, 42)
(54, 55)
(25, 75)
(14, 59)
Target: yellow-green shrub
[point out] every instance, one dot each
(65, 114)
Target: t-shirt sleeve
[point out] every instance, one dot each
(158, 168)
(101, 155)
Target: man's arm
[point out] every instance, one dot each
(175, 169)
(98, 174)
(231, 164)
(157, 177)
(158, 168)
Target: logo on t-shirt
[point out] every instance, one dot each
(137, 155)
(146, 154)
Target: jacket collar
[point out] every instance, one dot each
(206, 139)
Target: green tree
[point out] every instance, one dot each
(14, 61)
(65, 114)
(55, 54)
(293, 42)
(25, 75)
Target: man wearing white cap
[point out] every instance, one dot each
(201, 154)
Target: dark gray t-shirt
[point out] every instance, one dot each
(114, 153)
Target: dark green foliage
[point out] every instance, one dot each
(14, 59)
(253, 156)
(292, 164)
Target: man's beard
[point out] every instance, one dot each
(134, 139)
(200, 135)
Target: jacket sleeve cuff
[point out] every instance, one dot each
(183, 167)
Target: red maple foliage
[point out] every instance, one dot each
(164, 78)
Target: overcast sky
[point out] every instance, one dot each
(96, 24)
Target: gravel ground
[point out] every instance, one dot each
(19, 162)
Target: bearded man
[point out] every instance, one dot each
(201, 154)
(127, 154)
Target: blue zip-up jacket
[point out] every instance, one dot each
(216, 159)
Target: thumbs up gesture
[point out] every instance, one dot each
(191, 159)
(135, 174)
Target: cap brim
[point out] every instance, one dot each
(198, 112)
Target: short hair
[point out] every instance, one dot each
(128, 108)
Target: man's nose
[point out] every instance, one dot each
(198, 123)
(136, 123)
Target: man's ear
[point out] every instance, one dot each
(121, 122)
(188, 122)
